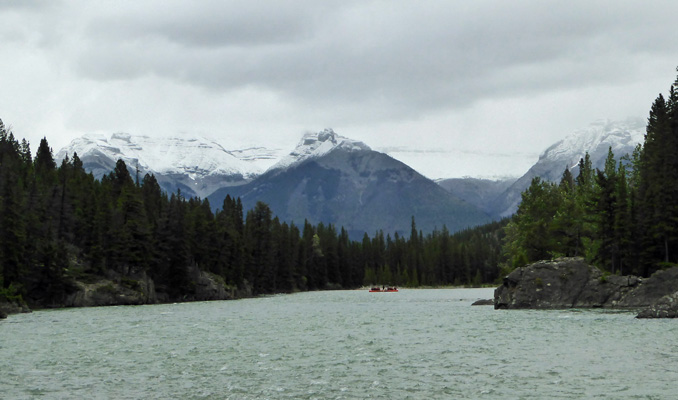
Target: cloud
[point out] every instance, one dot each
(403, 59)
(474, 74)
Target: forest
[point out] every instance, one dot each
(59, 225)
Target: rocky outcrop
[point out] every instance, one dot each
(140, 289)
(666, 307)
(661, 283)
(133, 288)
(12, 307)
(114, 289)
(105, 293)
(208, 286)
(572, 283)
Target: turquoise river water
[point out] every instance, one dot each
(415, 344)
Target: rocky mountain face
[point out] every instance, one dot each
(332, 179)
(196, 165)
(622, 137)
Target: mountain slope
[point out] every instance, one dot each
(332, 179)
(622, 137)
(482, 193)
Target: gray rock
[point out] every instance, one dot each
(484, 302)
(660, 284)
(11, 307)
(210, 287)
(105, 293)
(666, 307)
(572, 283)
(549, 285)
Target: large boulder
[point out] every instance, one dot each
(666, 307)
(572, 283)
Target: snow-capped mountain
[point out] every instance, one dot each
(315, 145)
(621, 136)
(196, 165)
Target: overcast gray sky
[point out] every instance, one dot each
(482, 86)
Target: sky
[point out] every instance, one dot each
(453, 88)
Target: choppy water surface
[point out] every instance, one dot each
(416, 344)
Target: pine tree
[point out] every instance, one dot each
(655, 205)
(530, 235)
(606, 214)
(260, 268)
(623, 221)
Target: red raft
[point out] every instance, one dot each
(382, 290)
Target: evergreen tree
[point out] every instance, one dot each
(259, 249)
(656, 209)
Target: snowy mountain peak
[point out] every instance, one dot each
(314, 145)
(596, 138)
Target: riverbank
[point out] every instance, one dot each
(134, 289)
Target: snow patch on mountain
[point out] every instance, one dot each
(194, 156)
(315, 145)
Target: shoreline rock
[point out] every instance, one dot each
(134, 289)
(572, 283)
(666, 307)
(7, 308)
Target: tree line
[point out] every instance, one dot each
(623, 218)
(60, 225)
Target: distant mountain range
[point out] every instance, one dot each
(332, 179)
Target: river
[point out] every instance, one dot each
(415, 344)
